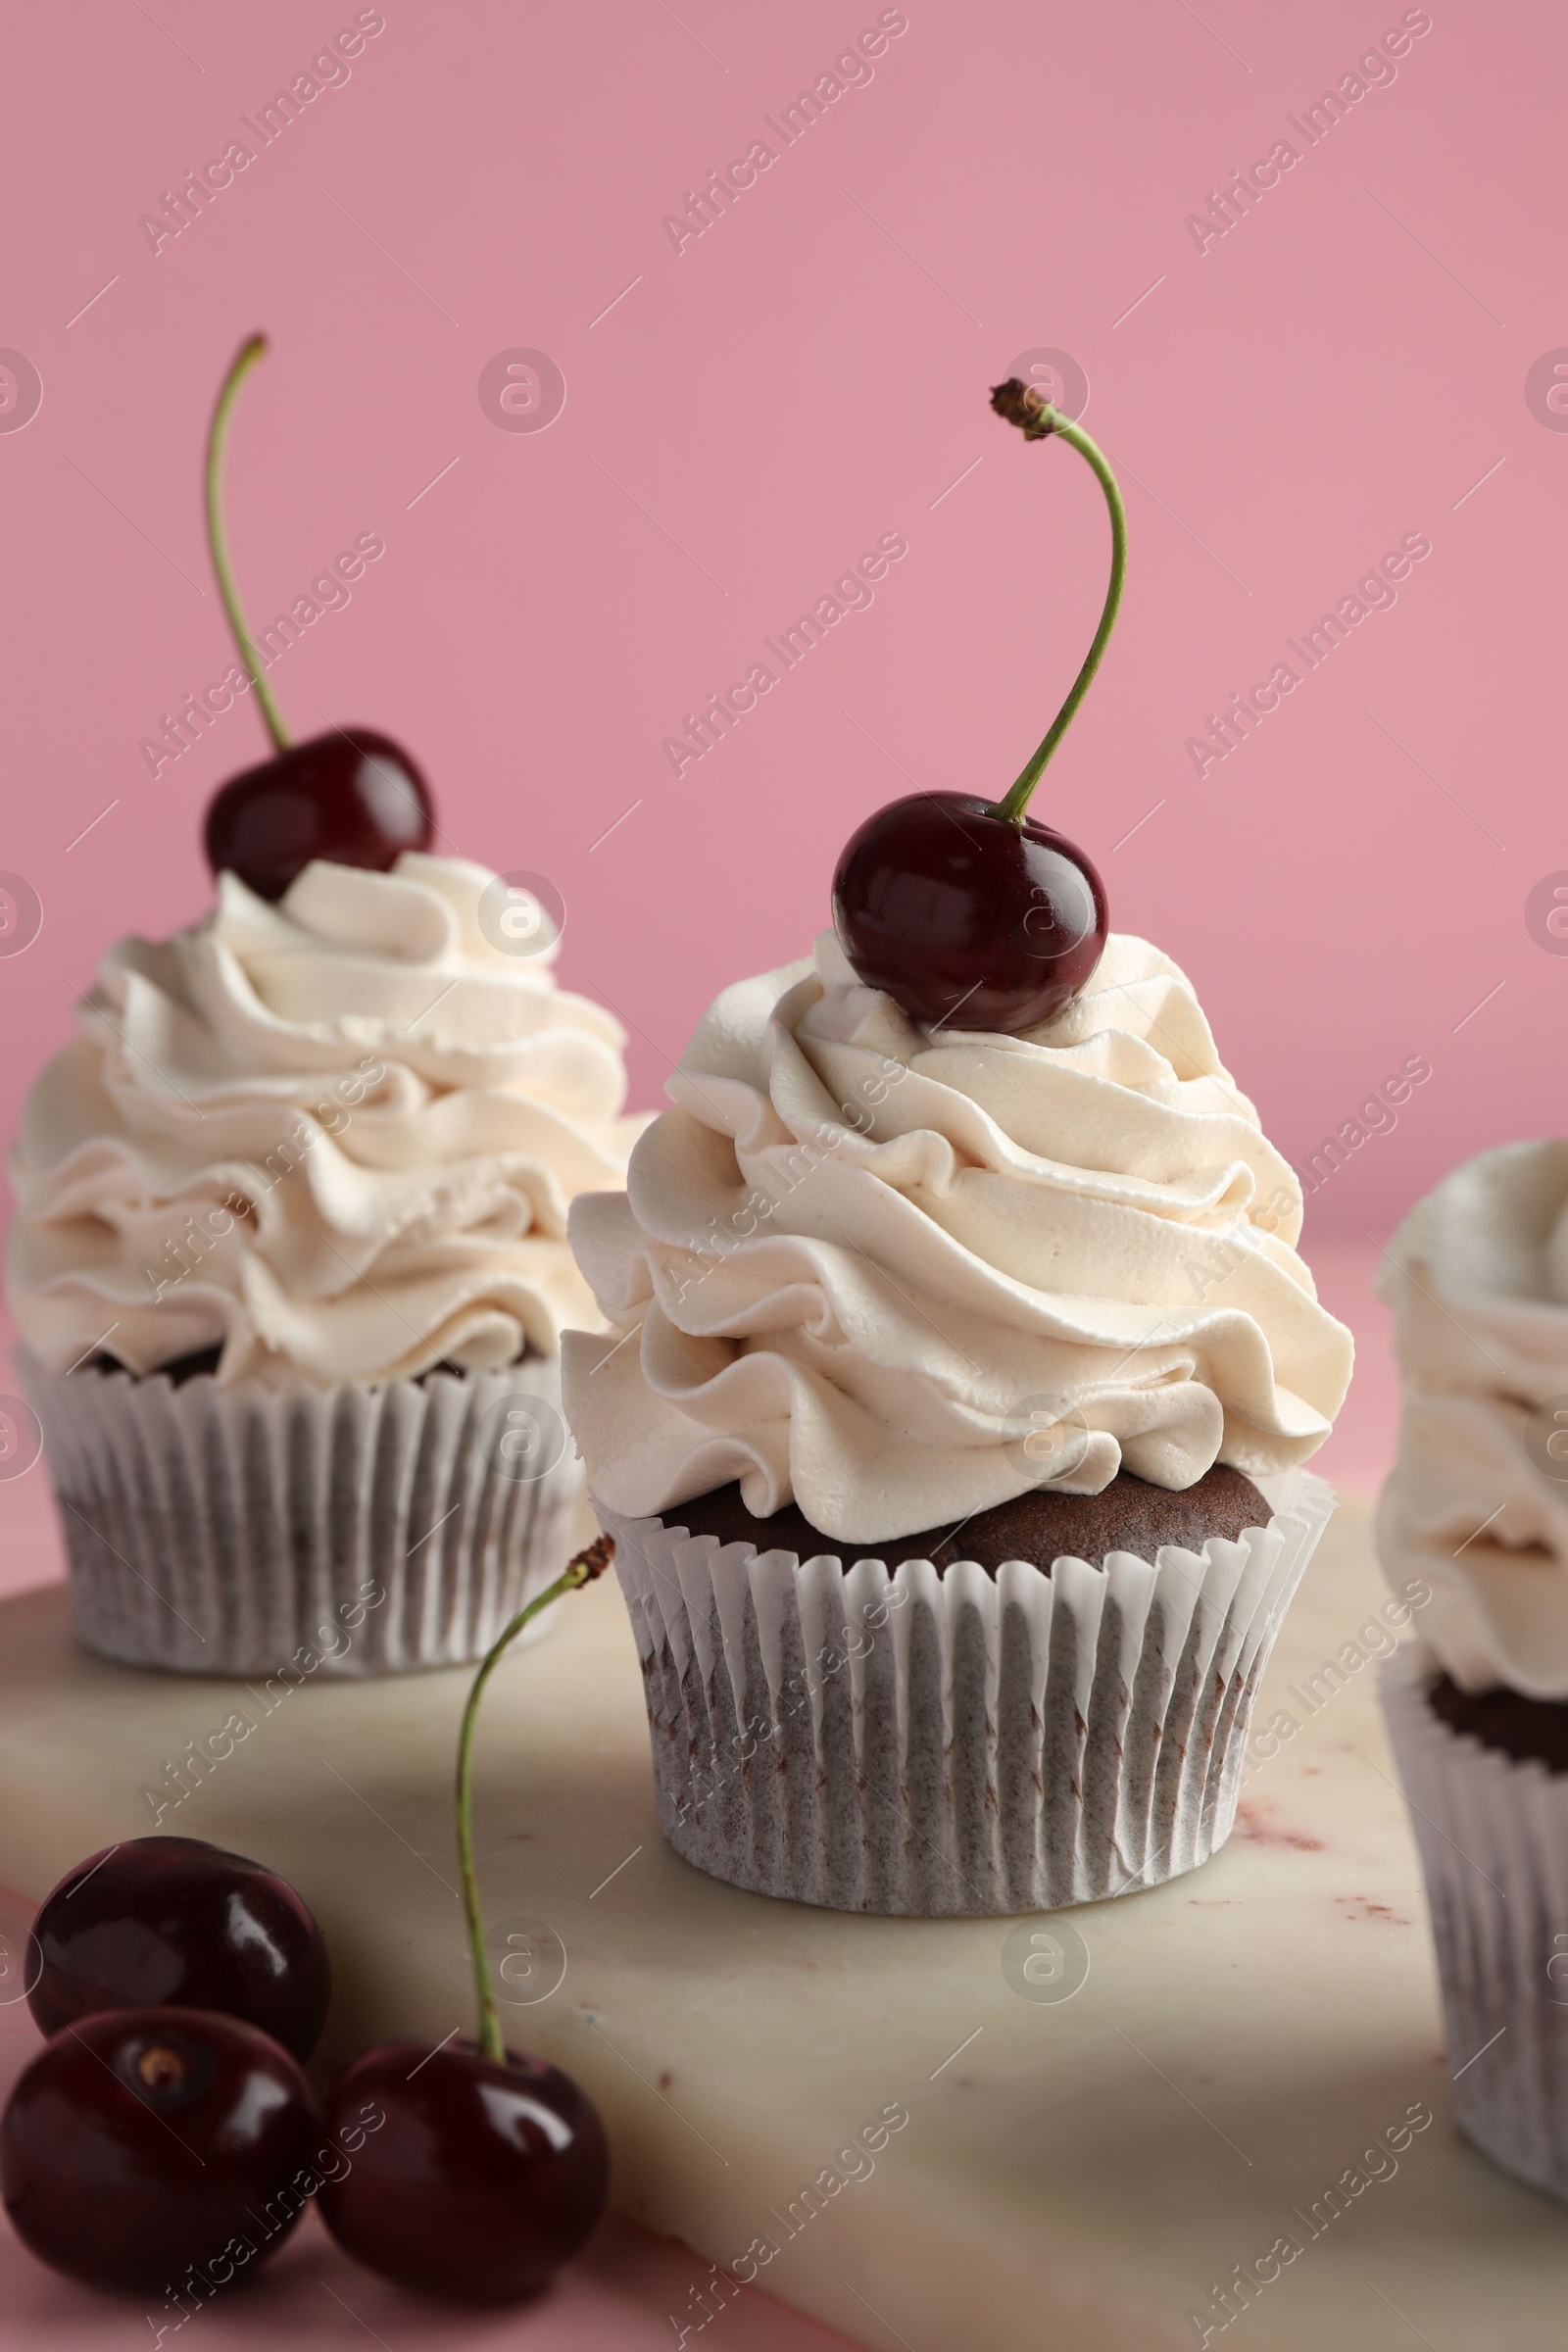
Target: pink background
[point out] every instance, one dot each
(809, 373)
(1343, 368)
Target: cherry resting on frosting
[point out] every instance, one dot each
(176, 1920)
(969, 913)
(144, 2142)
(351, 796)
(490, 2168)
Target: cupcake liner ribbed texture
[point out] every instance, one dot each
(230, 1530)
(1493, 1835)
(955, 1745)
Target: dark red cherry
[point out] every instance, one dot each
(965, 919)
(173, 1919)
(157, 2149)
(351, 797)
(474, 2182)
(968, 913)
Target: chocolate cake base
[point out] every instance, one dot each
(179, 1369)
(1129, 1515)
(1530, 1730)
(205, 1361)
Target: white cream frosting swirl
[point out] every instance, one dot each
(338, 1136)
(1476, 1505)
(858, 1263)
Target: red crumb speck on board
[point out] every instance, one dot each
(665, 2080)
(1256, 1821)
(1361, 1906)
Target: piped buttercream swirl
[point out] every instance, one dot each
(899, 1276)
(1477, 1506)
(337, 1136)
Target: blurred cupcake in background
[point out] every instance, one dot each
(1477, 1510)
(290, 1269)
(290, 1262)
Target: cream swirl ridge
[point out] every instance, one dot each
(1477, 1503)
(882, 1272)
(337, 1136)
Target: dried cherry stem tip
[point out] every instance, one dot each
(1021, 404)
(581, 1570)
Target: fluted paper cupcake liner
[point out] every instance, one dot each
(350, 1532)
(959, 1744)
(1493, 1835)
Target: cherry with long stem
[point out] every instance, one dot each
(348, 798)
(968, 911)
(588, 1564)
(487, 2169)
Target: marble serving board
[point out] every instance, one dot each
(898, 2125)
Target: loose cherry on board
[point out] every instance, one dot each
(487, 2175)
(143, 2143)
(176, 1920)
(351, 796)
(488, 2170)
(969, 913)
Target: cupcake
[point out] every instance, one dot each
(947, 1425)
(291, 1264)
(290, 1271)
(959, 1376)
(1474, 1515)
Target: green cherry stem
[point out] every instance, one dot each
(1035, 418)
(244, 360)
(581, 1570)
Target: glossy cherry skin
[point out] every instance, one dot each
(173, 1919)
(351, 797)
(965, 920)
(141, 2141)
(481, 2183)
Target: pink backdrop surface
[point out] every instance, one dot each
(1287, 401)
(1365, 355)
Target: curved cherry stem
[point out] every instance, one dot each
(1035, 418)
(581, 1570)
(244, 360)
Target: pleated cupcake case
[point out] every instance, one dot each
(959, 1744)
(1493, 1836)
(350, 1532)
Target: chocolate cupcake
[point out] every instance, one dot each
(1473, 1525)
(1040, 1525)
(949, 1425)
(290, 1269)
(289, 1261)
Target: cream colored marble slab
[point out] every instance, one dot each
(1074, 2174)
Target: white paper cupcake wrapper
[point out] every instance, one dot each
(1493, 1835)
(230, 1530)
(955, 1743)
